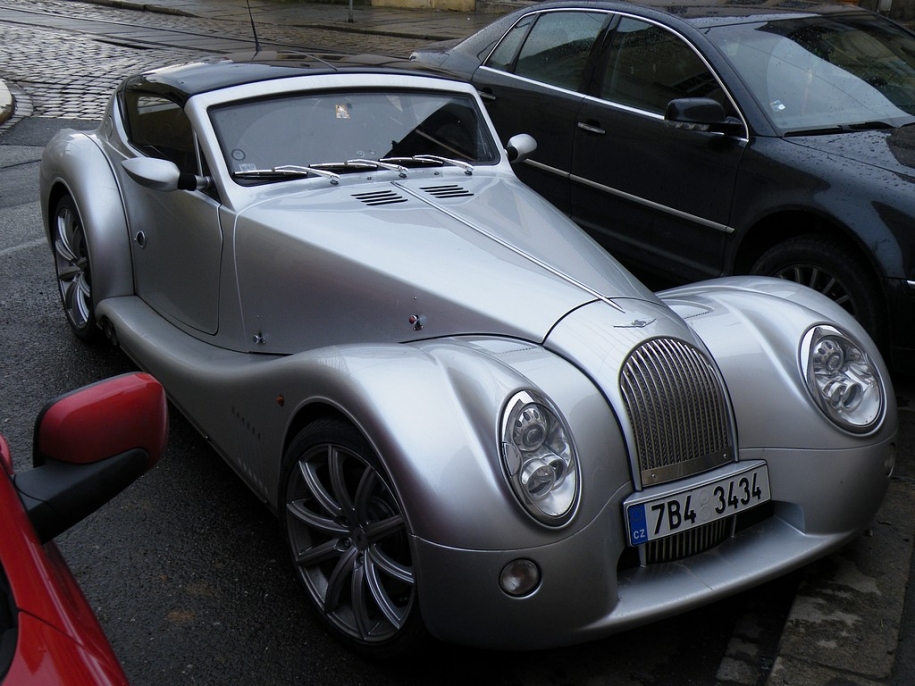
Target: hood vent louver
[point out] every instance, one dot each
(376, 198)
(448, 191)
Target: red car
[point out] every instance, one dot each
(89, 445)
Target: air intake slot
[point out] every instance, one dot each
(386, 197)
(452, 190)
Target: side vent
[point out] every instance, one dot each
(387, 197)
(449, 191)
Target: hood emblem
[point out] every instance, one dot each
(636, 324)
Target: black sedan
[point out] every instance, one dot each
(695, 139)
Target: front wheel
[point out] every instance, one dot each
(348, 539)
(833, 268)
(71, 261)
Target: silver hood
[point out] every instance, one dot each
(406, 259)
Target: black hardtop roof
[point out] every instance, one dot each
(183, 81)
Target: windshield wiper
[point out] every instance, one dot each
(361, 163)
(842, 128)
(870, 126)
(433, 159)
(286, 171)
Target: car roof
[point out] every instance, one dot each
(181, 82)
(696, 10)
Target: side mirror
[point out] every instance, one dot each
(700, 114)
(162, 175)
(520, 147)
(89, 446)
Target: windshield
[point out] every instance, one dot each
(825, 73)
(328, 129)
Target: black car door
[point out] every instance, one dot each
(657, 196)
(531, 83)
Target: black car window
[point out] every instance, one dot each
(160, 128)
(649, 66)
(557, 47)
(503, 56)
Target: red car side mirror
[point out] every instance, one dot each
(89, 445)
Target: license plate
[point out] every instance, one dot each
(656, 518)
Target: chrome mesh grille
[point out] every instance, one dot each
(678, 411)
(691, 542)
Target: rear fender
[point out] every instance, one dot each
(73, 164)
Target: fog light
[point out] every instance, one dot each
(519, 577)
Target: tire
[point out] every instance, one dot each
(348, 540)
(71, 262)
(835, 269)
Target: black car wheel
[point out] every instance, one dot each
(71, 260)
(833, 268)
(348, 539)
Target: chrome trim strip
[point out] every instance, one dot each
(547, 168)
(539, 84)
(724, 228)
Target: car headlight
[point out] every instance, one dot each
(539, 458)
(842, 378)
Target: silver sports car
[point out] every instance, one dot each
(471, 421)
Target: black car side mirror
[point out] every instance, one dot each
(701, 114)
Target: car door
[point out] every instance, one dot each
(655, 195)
(176, 241)
(531, 83)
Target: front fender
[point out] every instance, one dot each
(432, 411)
(73, 164)
(753, 327)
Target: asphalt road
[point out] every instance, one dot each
(186, 569)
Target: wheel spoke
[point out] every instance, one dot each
(375, 531)
(337, 582)
(309, 473)
(325, 525)
(62, 249)
(318, 554)
(358, 588)
(393, 612)
(364, 495)
(382, 561)
(812, 278)
(337, 465)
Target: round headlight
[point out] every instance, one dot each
(842, 378)
(538, 458)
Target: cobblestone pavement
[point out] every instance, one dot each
(70, 73)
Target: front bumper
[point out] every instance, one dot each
(822, 501)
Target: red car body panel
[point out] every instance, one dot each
(60, 640)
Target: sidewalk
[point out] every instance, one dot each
(425, 24)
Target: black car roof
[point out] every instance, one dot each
(183, 81)
(694, 11)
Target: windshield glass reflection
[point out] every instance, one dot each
(827, 73)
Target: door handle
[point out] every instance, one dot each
(487, 95)
(591, 128)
